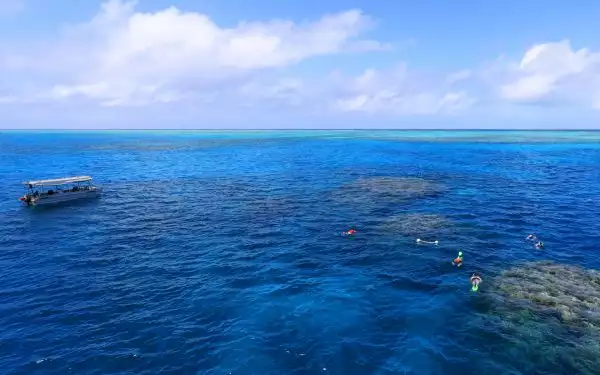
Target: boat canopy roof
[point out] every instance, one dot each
(59, 181)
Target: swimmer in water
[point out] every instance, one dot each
(539, 245)
(531, 237)
(458, 260)
(475, 281)
(350, 232)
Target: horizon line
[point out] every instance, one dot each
(306, 129)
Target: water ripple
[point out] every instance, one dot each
(223, 253)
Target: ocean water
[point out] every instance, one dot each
(221, 252)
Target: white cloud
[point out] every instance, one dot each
(552, 72)
(8, 99)
(390, 102)
(396, 92)
(116, 94)
(400, 91)
(126, 57)
(529, 88)
(461, 75)
(288, 90)
(9, 7)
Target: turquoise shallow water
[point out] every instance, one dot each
(220, 252)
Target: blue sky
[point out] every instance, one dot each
(291, 64)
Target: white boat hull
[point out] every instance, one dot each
(61, 197)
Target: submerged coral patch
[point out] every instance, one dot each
(545, 316)
(415, 224)
(398, 187)
(572, 293)
(387, 189)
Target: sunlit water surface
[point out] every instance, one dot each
(221, 253)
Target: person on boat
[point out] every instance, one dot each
(475, 281)
(539, 245)
(458, 260)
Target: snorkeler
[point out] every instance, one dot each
(475, 281)
(458, 260)
(436, 242)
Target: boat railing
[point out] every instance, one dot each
(60, 190)
(75, 186)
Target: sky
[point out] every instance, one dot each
(227, 64)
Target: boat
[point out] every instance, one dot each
(44, 192)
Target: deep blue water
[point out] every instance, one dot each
(220, 252)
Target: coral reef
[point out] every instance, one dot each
(398, 187)
(571, 293)
(415, 224)
(547, 317)
(385, 189)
